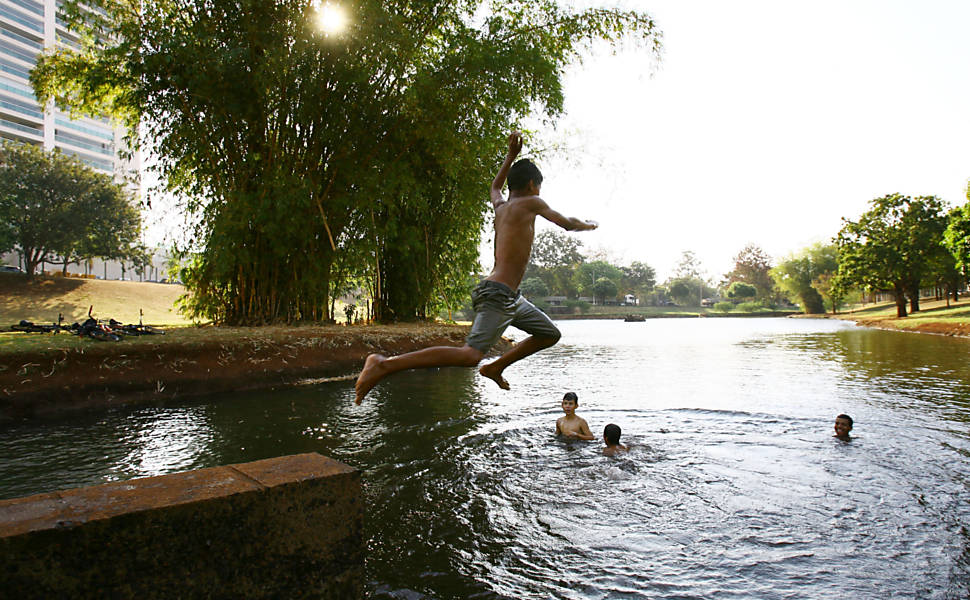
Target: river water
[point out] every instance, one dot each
(734, 488)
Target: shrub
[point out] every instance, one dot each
(724, 306)
(749, 306)
(582, 305)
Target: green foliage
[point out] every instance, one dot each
(740, 290)
(534, 289)
(638, 279)
(832, 289)
(605, 289)
(58, 210)
(582, 305)
(956, 238)
(794, 275)
(753, 266)
(688, 291)
(750, 306)
(724, 306)
(555, 257)
(588, 274)
(680, 291)
(553, 248)
(894, 245)
(293, 148)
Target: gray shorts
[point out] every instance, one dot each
(497, 307)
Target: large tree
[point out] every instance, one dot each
(555, 257)
(796, 275)
(59, 210)
(293, 145)
(689, 266)
(639, 278)
(588, 274)
(893, 246)
(752, 265)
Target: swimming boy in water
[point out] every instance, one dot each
(843, 425)
(496, 300)
(572, 425)
(611, 436)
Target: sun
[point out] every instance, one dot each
(331, 18)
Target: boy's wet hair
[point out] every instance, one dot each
(571, 396)
(612, 434)
(846, 417)
(522, 172)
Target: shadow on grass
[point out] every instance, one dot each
(954, 310)
(41, 293)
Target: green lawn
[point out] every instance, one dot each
(931, 312)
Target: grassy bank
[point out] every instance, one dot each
(41, 299)
(934, 316)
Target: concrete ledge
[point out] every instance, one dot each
(287, 527)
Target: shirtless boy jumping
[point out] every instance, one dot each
(497, 303)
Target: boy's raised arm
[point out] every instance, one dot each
(515, 146)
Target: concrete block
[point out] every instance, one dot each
(287, 527)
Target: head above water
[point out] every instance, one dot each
(522, 173)
(611, 433)
(843, 425)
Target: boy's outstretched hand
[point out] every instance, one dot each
(515, 143)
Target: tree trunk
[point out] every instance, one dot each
(900, 300)
(812, 303)
(914, 301)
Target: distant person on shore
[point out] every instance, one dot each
(611, 436)
(496, 301)
(572, 425)
(843, 425)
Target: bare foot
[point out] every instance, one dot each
(370, 375)
(495, 374)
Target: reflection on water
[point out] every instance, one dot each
(734, 487)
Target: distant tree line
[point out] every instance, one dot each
(901, 245)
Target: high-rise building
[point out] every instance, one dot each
(27, 27)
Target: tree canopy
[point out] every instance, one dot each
(313, 159)
(56, 209)
(752, 266)
(740, 290)
(956, 237)
(894, 245)
(796, 273)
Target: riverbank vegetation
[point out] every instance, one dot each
(313, 162)
(323, 165)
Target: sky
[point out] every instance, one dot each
(763, 122)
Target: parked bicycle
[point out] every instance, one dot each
(54, 328)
